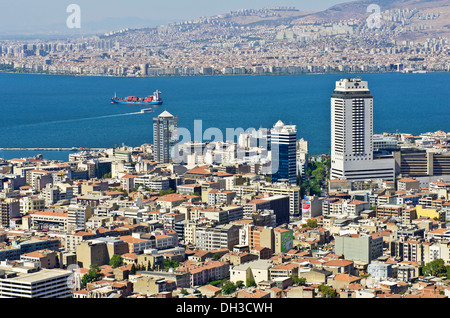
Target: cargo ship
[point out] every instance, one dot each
(154, 99)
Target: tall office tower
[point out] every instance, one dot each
(352, 155)
(164, 136)
(283, 145)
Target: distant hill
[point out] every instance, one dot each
(355, 10)
(431, 18)
(358, 9)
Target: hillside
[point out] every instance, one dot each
(425, 19)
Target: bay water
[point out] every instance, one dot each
(74, 111)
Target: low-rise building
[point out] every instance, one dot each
(45, 283)
(256, 270)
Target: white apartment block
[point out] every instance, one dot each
(343, 208)
(258, 270)
(277, 188)
(219, 237)
(40, 284)
(77, 216)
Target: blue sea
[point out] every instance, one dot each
(70, 111)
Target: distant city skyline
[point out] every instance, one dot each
(28, 16)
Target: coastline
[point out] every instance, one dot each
(215, 75)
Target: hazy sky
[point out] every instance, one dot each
(35, 14)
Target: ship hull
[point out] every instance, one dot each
(115, 101)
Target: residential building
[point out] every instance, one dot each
(49, 221)
(279, 188)
(342, 208)
(279, 204)
(214, 238)
(406, 184)
(164, 136)
(257, 270)
(302, 157)
(359, 247)
(283, 240)
(99, 251)
(9, 209)
(45, 258)
(311, 207)
(137, 244)
(77, 215)
(380, 270)
(45, 283)
(206, 272)
(284, 270)
(149, 285)
(389, 210)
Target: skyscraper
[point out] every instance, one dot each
(283, 146)
(164, 136)
(352, 155)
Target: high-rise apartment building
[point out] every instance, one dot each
(164, 136)
(359, 247)
(352, 155)
(284, 148)
(218, 237)
(9, 209)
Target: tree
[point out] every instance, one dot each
(314, 178)
(164, 192)
(250, 282)
(92, 275)
(184, 292)
(125, 193)
(168, 263)
(133, 270)
(327, 291)
(239, 284)
(435, 268)
(116, 261)
(327, 163)
(298, 280)
(311, 223)
(228, 288)
(216, 283)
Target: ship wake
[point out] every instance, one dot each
(73, 120)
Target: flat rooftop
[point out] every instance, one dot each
(42, 275)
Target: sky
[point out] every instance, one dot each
(44, 15)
